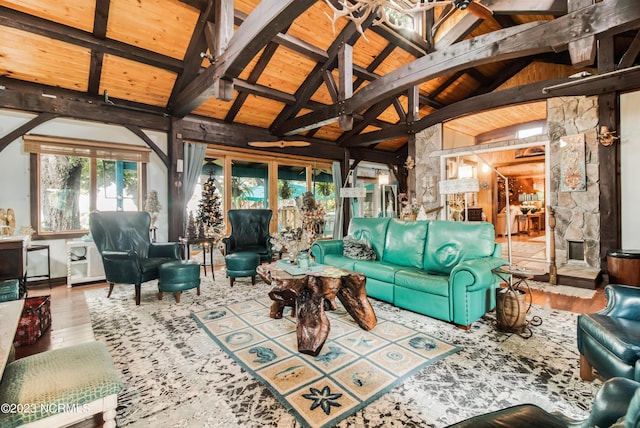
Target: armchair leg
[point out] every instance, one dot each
(177, 296)
(198, 290)
(586, 371)
(159, 295)
(231, 279)
(138, 291)
(111, 284)
(253, 280)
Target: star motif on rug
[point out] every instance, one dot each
(323, 399)
(361, 342)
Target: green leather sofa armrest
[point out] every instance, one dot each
(622, 302)
(170, 250)
(320, 249)
(481, 270)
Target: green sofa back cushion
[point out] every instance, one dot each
(450, 242)
(373, 230)
(404, 244)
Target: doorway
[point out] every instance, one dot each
(522, 171)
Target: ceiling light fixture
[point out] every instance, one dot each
(359, 11)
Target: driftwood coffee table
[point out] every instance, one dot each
(310, 294)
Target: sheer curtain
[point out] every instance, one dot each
(337, 183)
(193, 160)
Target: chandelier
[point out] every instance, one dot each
(386, 11)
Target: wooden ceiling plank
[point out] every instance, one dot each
(262, 25)
(459, 31)
(523, 40)
(14, 19)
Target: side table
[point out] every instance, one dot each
(42, 247)
(513, 303)
(207, 244)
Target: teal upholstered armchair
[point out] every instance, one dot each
(609, 340)
(616, 403)
(128, 255)
(249, 233)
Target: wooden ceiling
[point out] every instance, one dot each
(279, 76)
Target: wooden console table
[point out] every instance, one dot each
(13, 258)
(308, 293)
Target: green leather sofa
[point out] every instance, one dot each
(437, 268)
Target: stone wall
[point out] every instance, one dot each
(577, 213)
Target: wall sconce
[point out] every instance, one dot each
(606, 137)
(383, 179)
(179, 171)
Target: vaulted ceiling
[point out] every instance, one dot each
(246, 70)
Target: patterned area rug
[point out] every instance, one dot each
(354, 368)
(176, 376)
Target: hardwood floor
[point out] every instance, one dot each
(70, 322)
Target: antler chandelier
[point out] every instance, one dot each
(386, 11)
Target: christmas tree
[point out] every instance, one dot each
(209, 217)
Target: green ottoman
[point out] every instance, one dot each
(241, 264)
(60, 387)
(175, 277)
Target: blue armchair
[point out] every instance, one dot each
(249, 233)
(128, 255)
(609, 340)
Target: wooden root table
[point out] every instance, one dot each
(310, 294)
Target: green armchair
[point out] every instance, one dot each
(618, 400)
(249, 233)
(609, 340)
(128, 255)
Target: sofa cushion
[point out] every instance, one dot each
(359, 249)
(339, 261)
(373, 230)
(449, 243)
(419, 280)
(381, 271)
(404, 244)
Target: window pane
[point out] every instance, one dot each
(117, 186)
(64, 193)
(325, 194)
(292, 183)
(249, 184)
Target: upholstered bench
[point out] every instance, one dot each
(60, 387)
(178, 276)
(243, 263)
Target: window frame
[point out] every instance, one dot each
(93, 151)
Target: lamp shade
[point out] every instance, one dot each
(461, 185)
(383, 179)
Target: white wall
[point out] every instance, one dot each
(629, 168)
(15, 174)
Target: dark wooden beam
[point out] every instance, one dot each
(459, 31)
(23, 129)
(521, 94)
(527, 7)
(18, 95)
(629, 57)
(255, 74)
(192, 59)
(263, 24)
(137, 131)
(100, 18)
(523, 40)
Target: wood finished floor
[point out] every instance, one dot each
(70, 322)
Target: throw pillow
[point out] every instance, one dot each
(359, 249)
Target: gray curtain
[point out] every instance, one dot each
(193, 160)
(337, 183)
